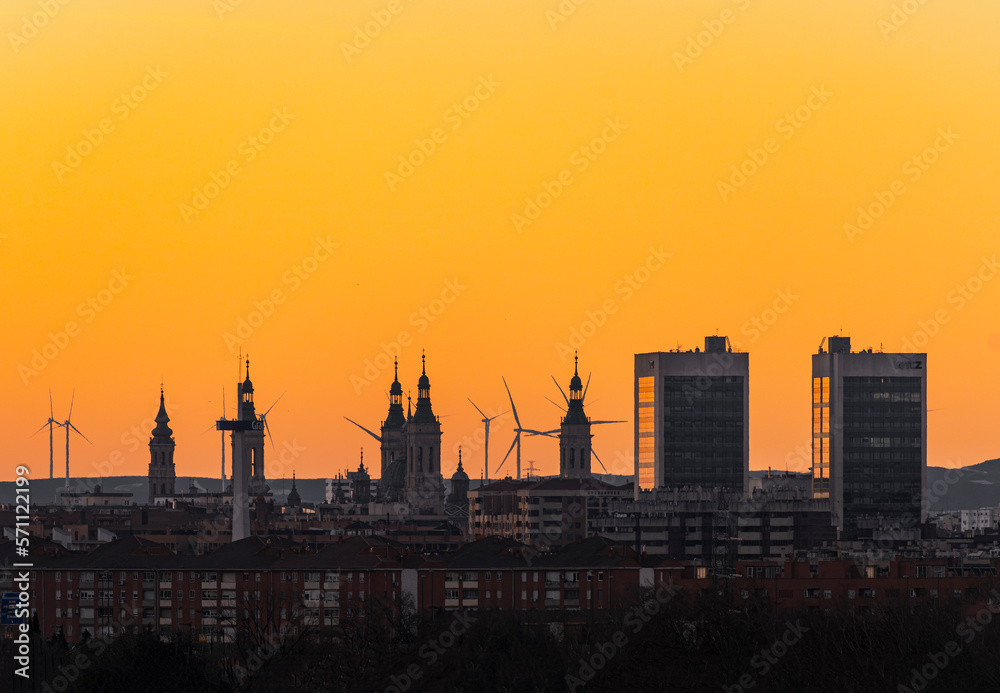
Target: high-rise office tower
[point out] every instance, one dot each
(692, 418)
(869, 435)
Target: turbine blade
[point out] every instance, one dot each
(275, 402)
(376, 437)
(210, 428)
(561, 407)
(594, 453)
(585, 388)
(517, 436)
(495, 417)
(78, 431)
(477, 408)
(512, 407)
(594, 423)
(560, 390)
(269, 436)
(68, 418)
(51, 410)
(40, 429)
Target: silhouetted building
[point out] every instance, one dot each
(574, 432)
(424, 483)
(459, 484)
(393, 444)
(869, 435)
(162, 477)
(361, 483)
(692, 418)
(294, 499)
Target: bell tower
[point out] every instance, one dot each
(393, 473)
(253, 439)
(424, 483)
(574, 432)
(162, 477)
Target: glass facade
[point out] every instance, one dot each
(647, 444)
(703, 431)
(821, 438)
(882, 449)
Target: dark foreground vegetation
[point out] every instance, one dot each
(658, 642)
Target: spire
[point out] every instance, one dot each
(460, 458)
(424, 412)
(162, 429)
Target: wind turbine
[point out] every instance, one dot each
(373, 435)
(517, 433)
(49, 423)
(263, 417)
(592, 423)
(486, 454)
(67, 424)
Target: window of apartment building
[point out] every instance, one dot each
(361, 578)
(600, 576)
(499, 594)
(487, 594)
(58, 594)
(827, 594)
(524, 595)
(534, 595)
(524, 576)
(486, 577)
(58, 612)
(451, 593)
(165, 595)
(470, 593)
(58, 576)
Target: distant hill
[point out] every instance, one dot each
(976, 486)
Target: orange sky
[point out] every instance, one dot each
(369, 165)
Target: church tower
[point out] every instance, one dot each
(161, 456)
(393, 472)
(574, 432)
(424, 483)
(253, 439)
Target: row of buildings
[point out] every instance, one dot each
(278, 585)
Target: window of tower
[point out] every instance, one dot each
(420, 459)
(430, 459)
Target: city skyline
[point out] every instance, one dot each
(317, 186)
(542, 451)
